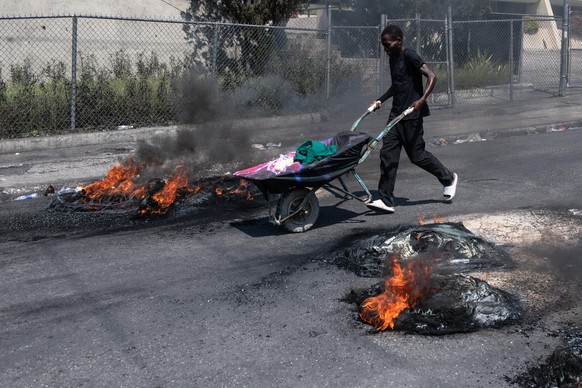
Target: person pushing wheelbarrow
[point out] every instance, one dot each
(407, 69)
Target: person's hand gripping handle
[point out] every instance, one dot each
(375, 106)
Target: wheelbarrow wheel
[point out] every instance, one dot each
(290, 202)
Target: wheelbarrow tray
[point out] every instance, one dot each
(276, 177)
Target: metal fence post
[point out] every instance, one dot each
(564, 51)
(569, 54)
(511, 60)
(418, 33)
(74, 75)
(450, 57)
(521, 50)
(214, 49)
(328, 54)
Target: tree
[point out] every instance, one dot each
(235, 53)
(258, 12)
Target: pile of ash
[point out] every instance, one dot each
(563, 368)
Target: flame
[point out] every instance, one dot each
(118, 181)
(436, 219)
(140, 192)
(166, 197)
(403, 290)
(118, 187)
(241, 190)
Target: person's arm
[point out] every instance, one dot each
(389, 93)
(430, 82)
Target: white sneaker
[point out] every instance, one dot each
(379, 206)
(450, 191)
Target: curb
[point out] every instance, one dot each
(147, 133)
(490, 134)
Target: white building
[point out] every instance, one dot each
(533, 7)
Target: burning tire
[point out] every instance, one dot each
(290, 203)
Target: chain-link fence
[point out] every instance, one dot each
(355, 53)
(538, 66)
(491, 60)
(35, 70)
(93, 73)
(575, 50)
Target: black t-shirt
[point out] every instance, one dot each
(407, 84)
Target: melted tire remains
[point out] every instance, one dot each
(290, 202)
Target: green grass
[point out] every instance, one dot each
(144, 91)
(480, 71)
(39, 104)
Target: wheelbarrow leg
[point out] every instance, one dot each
(343, 183)
(347, 194)
(362, 185)
(268, 204)
(272, 218)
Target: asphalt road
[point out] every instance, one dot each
(223, 298)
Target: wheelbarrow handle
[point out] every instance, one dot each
(358, 121)
(374, 143)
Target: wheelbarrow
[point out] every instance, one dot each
(292, 185)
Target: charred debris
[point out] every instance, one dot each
(428, 287)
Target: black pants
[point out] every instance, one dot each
(407, 134)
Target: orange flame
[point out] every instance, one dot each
(243, 190)
(117, 182)
(166, 197)
(119, 186)
(403, 290)
(436, 219)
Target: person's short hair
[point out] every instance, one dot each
(393, 31)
